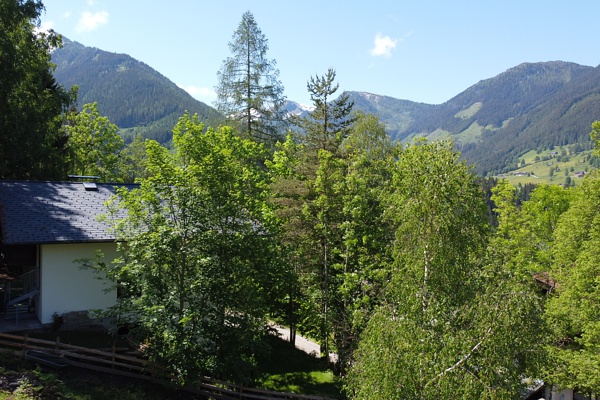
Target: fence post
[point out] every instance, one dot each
(57, 343)
(114, 350)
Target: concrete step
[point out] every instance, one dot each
(10, 313)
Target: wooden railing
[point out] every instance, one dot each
(215, 389)
(98, 360)
(136, 367)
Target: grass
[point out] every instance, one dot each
(286, 369)
(539, 171)
(291, 370)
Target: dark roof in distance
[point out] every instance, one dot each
(53, 212)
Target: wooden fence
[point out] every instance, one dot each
(113, 362)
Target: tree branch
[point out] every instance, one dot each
(463, 359)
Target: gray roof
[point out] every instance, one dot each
(53, 212)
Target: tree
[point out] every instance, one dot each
(573, 309)
(595, 136)
(334, 233)
(447, 328)
(32, 145)
(249, 92)
(94, 144)
(366, 237)
(309, 180)
(199, 270)
(329, 123)
(132, 161)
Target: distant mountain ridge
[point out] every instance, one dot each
(494, 122)
(130, 93)
(530, 106)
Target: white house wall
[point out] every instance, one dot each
(65, 286)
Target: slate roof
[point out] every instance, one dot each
(53, 212)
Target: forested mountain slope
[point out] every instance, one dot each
(493, 123)
(530, 106)
(130, 93)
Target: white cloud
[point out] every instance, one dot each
(206, 95)
(91, 21)
(383, 46)
(45, 26)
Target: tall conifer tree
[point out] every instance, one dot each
(249, 92)
(32, 145)
(330, 122)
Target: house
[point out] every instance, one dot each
(45, 228)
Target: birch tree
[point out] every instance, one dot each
(448, 325)
(573, 309)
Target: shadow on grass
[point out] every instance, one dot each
(76, 384)
(288, 369)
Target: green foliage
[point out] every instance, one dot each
(334, 234)
(199, 270)
(94, 145)
(330, 184)
(595, 136)
(524, 238)
(249, 93)
(364, 257)
(329, 123)
(132, 161)
(573, 309)
(32, 145)
(446, 328)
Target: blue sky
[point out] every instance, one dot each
(424, 51)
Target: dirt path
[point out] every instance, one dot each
(302, 343)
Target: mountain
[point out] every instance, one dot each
(296, 109)
(130, 93)
(494, 122)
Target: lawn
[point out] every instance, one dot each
(291, 370)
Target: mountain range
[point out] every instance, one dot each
(531, 106)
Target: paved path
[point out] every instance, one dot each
(302, 343)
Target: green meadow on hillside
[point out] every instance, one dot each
(560, 165)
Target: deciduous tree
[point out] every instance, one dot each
(447, 326)
(132, 160)
(94, 144)
(363, 265)
(332, 214)
(573, 309)
(200, 268)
